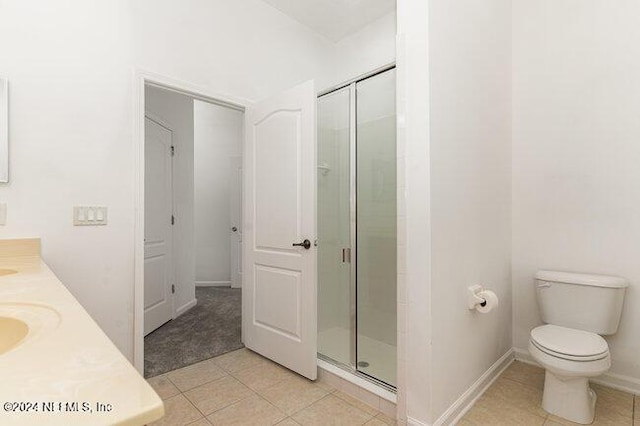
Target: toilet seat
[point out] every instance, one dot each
(569, 344)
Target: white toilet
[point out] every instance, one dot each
(576, 310)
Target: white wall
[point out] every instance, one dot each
(576, 203)
(176, 110)
(414, 286)
(243, 48)
(370, 48)
(469, 60)
(70, 66)
(218, 135)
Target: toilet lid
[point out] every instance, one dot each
(569, 343)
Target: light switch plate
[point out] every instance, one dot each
(89, 215)
(3, 214)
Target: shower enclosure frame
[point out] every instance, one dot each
(352, 367)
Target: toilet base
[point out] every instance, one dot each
(569, 397)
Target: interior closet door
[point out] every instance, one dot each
(158, 208)
(279, 291)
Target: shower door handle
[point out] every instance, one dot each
(346, 255)
(306, 244)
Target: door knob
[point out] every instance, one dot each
(306, 244)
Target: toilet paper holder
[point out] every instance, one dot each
(473, 298)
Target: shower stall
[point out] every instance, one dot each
(357, 227)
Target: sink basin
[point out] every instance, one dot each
(12, 332)
(7, 272)
(24, 323)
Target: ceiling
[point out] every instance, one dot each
(334, 19)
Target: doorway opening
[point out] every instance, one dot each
(278, 316)
(192, 228)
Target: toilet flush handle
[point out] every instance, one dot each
(544, 284)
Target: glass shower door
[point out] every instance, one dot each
(376, 226)
(357, 227)
(335, 316)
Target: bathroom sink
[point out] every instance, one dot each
(12, 332)
(23, 323)
(7, 272)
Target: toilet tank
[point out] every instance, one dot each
(581, 301)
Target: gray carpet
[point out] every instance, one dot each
(209, 329)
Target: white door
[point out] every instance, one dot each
(279, 288)
(158, 208)
(235, 236)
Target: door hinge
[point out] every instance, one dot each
(173, 220)
(173, 150)
(173, 288)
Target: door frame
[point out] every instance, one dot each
(160, 122)
(141, 78)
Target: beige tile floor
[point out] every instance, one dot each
(243, 388)
(516, 399)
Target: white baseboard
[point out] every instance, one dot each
(524, 356)
(184, 308)
(213, 283)
(414, 422)
(611, 380)
(459, 408)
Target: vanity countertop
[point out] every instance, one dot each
(65, 371)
